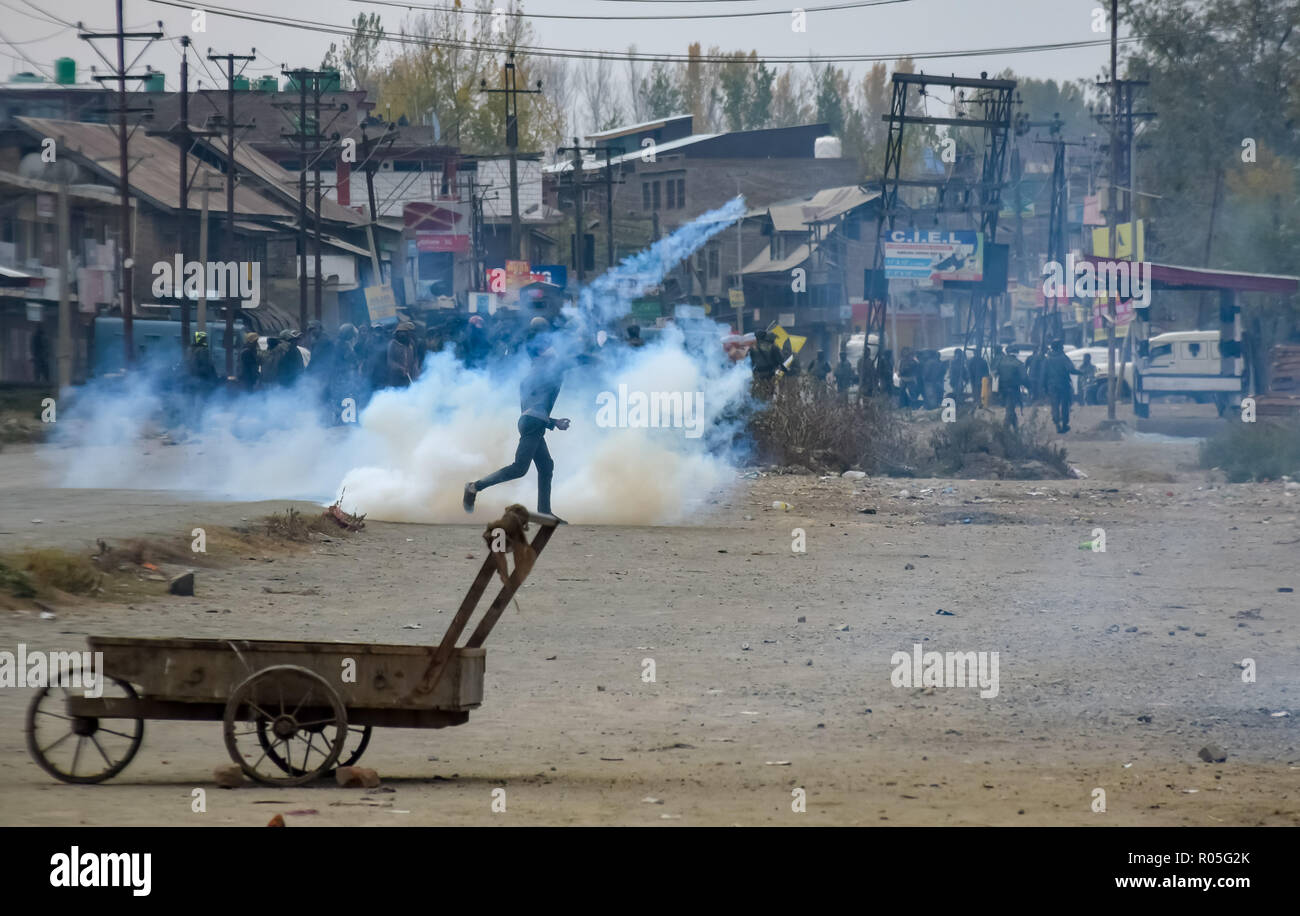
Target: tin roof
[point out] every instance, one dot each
(153, 164)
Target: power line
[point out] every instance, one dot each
(24, 56)
(517, 14)
(577, 54)
(32, 41)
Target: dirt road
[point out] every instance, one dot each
(772, 666)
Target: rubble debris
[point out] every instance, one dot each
(1212, 753)
(345, 520)
(229, 776)
(182, 584)
(356, 778)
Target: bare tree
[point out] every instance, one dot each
(600, 93)
(635, 95)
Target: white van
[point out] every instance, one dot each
(1186, 363)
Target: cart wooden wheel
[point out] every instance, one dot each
(353, 747)
(297, 714)
(81, 749)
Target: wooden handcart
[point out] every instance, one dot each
(290, 711)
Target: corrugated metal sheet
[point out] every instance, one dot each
(286, 182)
(825, 205)
(153, 165)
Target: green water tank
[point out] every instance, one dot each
(65, 71)
(155, 82)
(268, 84)
(242, 84)
(330, 83)
(27, 77)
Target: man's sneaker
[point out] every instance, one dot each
(468, 499)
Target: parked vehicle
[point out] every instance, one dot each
(1187, 363)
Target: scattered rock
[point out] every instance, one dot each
(1212, 753)
(356, 778)
(802, 620)
(182, 584)
(942, 613)
(854, 475)
(229, 776)
(907, 566)
(277, 821)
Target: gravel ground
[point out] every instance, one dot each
(772, 666)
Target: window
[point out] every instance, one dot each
(681, 194)
(715, 261)
(1162, 350)
(656, 195)
(672, 194)
(645, 195)
(1194, 350)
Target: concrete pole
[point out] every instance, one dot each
(65, 292)
(202, 319)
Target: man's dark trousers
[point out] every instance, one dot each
(531, 450)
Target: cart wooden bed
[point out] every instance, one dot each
(290, 711)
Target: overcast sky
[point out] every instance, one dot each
(908, 26)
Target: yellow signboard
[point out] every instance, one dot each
(737, 297)
(1124, 248)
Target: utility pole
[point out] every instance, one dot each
(201, 318)
(369, 166)
(512, 93)
(577, 185)
(120, 76)
(1112, 386)
(309, 81)
(231, 126)
(182, 132)
(740, 266)
(609, 206)
(65, 288)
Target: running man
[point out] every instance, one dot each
(537, 394)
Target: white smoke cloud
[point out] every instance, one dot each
(412, 450)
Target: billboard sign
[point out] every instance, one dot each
(935, 255)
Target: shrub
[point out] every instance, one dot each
(955, 444)
(1263, 450)
(804, 424)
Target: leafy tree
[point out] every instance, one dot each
(660, 93)
(759, 107)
